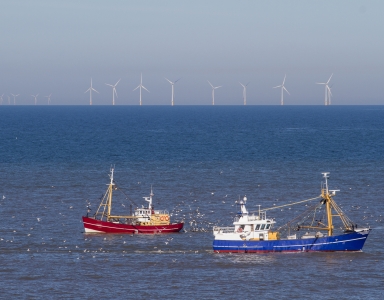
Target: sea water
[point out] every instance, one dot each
(55, 160)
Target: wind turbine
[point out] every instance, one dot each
(90, 93)
(244, 92)
(329, 94)
(141, 86)
(213, 91)
(1, 99)
(35, 98)
(282, 90)
(114, 90)
(14, 98)
(9, 100)
(49, 98)
(327, 90)
(173, 88)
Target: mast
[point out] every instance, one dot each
(327, 199)
(110, 188)
(149, 199)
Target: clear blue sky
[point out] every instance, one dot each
(57, 46)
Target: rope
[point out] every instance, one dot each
(126, 197)
(289, 204)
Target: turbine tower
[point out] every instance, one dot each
(213, 91)
(329, 94)
(35, 98)
(141, 86)
(114, 90)
(173, 88)
(1, 99)
(49, 98)
(327, 100)
(90, 93)
(244, 92)
(282, 90)
(14, 98)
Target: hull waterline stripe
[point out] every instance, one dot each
(126, 229)
(284, 246)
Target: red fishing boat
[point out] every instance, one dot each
(142, 220)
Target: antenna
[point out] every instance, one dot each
(326, 176)
(112, 169)
(90, 93)
(213, 91)
(141, 86)
(282, 90)
(114, 90)
(173, 88)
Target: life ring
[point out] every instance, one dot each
(166, 218)
(240, 229)
(162, 218)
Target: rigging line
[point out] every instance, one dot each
(287, 204)
(126, 197)
(300, 218)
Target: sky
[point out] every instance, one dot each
(56, 47)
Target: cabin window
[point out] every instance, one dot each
(268, 226)
(257, 227)
(262, 226)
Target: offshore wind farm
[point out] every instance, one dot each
(327, 100)
(224, 44)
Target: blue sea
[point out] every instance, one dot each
(55, 160)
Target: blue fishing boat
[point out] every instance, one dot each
(255, 233)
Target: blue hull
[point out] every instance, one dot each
(353, 241)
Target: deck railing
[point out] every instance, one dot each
(224, 229)
(161, 212)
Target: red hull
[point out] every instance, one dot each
(97, 226)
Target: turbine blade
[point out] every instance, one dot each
(275, 87)
(177, 80)
(284, 79)
(117, 82)
(286, 90)
(95, 90)
(329, 78)
(145, 89)
(136, 88)
(210, 84)
(168, 80)
(109, 84)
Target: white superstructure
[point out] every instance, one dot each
(250, 227)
